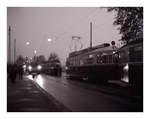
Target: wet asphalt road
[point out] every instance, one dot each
(80, 96)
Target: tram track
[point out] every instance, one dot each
(105, 88)
(77, 95)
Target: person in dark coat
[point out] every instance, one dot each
(20, 72)
(13, 73)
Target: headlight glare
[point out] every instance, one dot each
(66, 68)
(39, 67)
(30, 68)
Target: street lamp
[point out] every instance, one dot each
(35, 52)
(35, 58)
(49, 39)
(27, 43)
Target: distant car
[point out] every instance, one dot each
(34, 68)
(53, 69)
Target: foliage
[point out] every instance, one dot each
(130, 22)
(20, 60)
(54, 58)
(41, 58)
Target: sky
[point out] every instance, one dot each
(37, 24)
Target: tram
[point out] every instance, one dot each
(53, 69)
(131, 62)
(96, 63)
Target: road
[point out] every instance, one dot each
(80, 96)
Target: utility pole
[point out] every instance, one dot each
(14, 50)
(9, 51)
(90, 35)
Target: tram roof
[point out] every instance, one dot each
(134, 42)
(101, 48)
(104, 50)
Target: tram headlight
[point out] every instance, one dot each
(30, 68)
(24, 66)
(39, 67)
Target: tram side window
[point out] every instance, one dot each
(91, 59)
(85, 59)
(78, 61)
(74, 61)
(67, 62)
(110, 59)
(71, 61)
(81, 62)
(124, 57)
(116, 58)
(99, 59)
(104, 59)
(107, 59)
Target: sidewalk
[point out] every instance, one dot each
(26, 96)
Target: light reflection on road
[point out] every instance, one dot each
(80, 97)
(38, 79)
(29, 77)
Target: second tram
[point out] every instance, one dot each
(131, 62)
(53, 69)
(99, 62)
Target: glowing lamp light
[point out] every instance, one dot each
(30, 68)
(39, 67)
(27, 43)
(24, 66)
(49, 40)
(66, 68)
(35, 51)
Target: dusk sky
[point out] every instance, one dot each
(36, 25)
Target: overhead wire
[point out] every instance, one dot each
(78, 22)
(92, 14)
(96, 27)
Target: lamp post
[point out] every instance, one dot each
(27, 43)
(14, 51)
(35, 52)
(9, 51)
(49, 40)
(35, 58)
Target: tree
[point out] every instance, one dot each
(53, 58)
(41, 58)
(20, 60)
(130, 22)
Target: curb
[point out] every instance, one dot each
(51, 98)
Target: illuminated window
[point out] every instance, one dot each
(99, 59)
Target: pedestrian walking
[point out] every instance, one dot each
(20, 72)
(13, 73)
